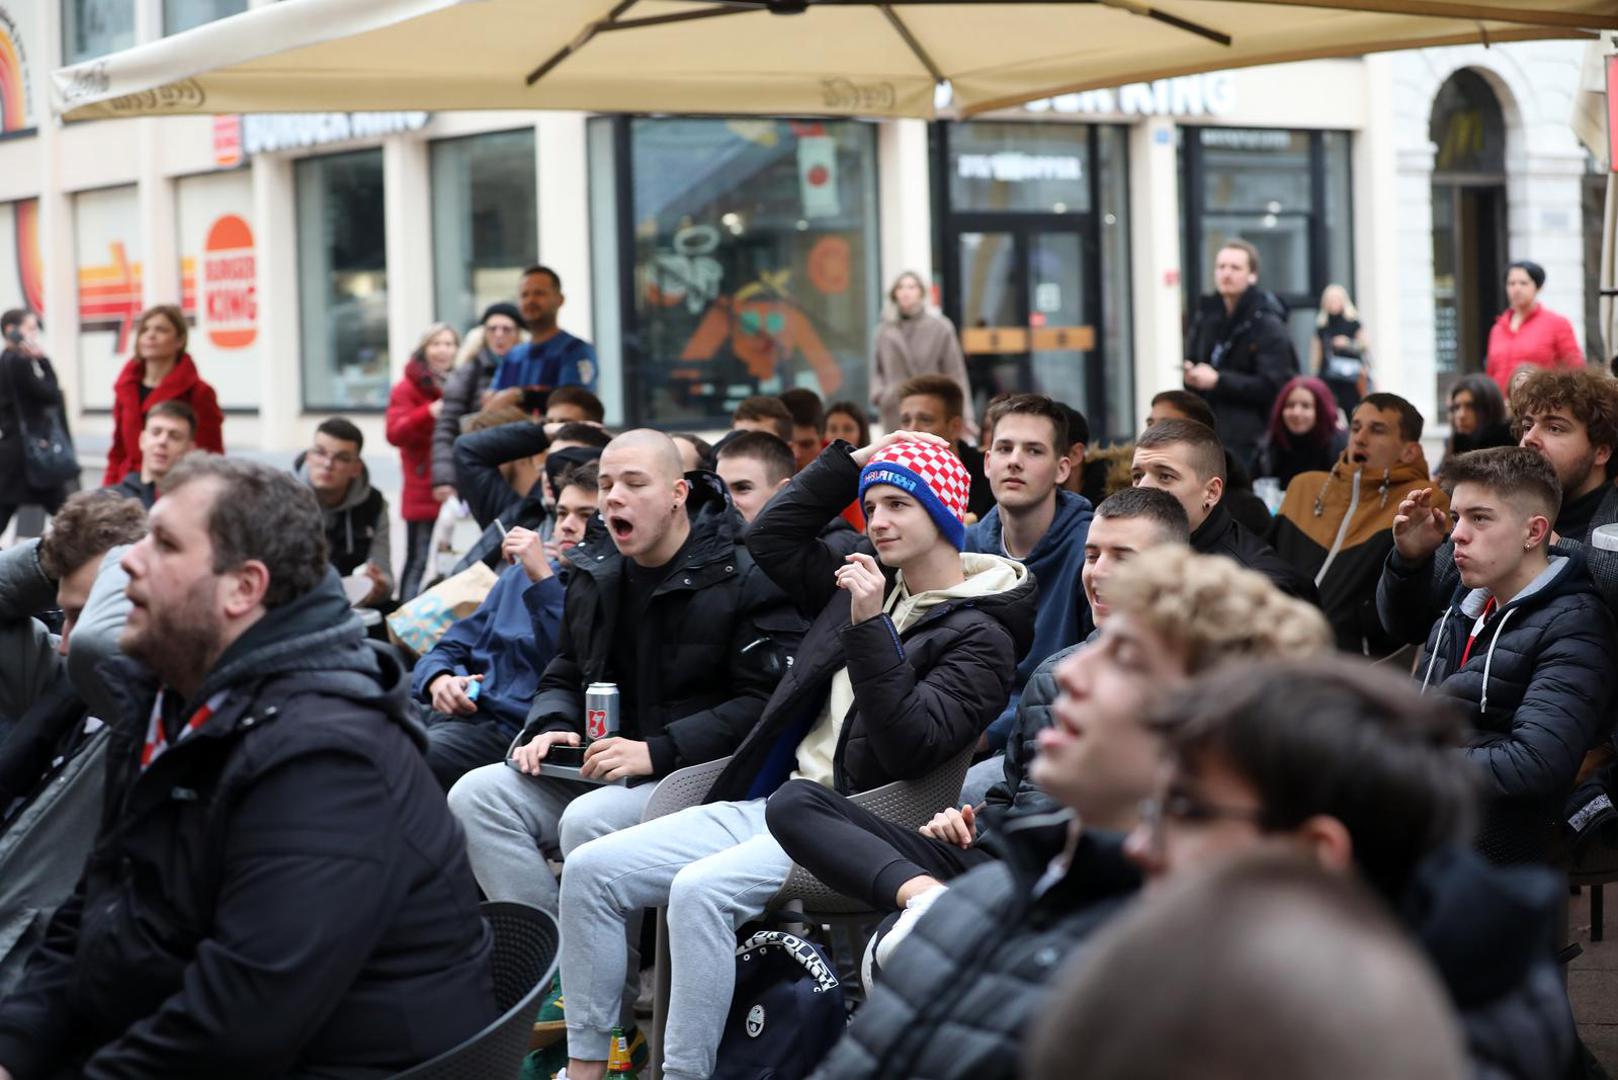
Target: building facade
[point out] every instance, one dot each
(712, 258)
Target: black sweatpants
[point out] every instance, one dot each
(456, 745)
(854, 851)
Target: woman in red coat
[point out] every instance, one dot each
(1525, 333)
(160, 370)
(412, 408)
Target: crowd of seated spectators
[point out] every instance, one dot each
(1228, 776)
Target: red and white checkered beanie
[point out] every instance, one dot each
(929, 473)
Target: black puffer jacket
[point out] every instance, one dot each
(1537, 690)
(1254, 355)
(1410, 598)
(1490, 934)
(958, 993)
(715, 639)
(1017, 795)
(920, 697)
(283, 893)
(1222, 534)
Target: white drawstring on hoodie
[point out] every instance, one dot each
(1488, 657)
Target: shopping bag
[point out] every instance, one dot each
(418, 624)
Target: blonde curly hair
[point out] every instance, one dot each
(1215, 609)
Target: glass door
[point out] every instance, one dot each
(1062, 334)
(1027, 312)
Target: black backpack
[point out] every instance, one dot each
(787, 1010)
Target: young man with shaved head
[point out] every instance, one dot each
(664, 601)
(1187, 460)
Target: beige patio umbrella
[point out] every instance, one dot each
(807, 57)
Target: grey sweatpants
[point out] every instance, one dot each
(514, 822)
(715, 867)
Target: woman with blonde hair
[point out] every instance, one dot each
(413, 408)
(160, 370)
(911, 341)
(1340, 351)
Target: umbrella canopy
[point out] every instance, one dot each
(803, 57)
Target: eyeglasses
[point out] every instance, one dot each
(343, 458)
(1179, 806)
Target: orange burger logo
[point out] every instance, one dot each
(230, 283)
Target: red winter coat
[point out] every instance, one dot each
(410, 428)
(1545, 339)
(129, 413)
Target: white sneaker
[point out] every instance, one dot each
(881, 950)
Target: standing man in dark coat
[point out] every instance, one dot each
(277, 889)
(1238, 354)
(29, 399)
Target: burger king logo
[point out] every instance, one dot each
(230, 284)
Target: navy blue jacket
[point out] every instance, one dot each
(562, 360)
(1063, 613)
(508, 640)
(1537, 690)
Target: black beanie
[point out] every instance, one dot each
(502, 308)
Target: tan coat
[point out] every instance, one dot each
(930, 348)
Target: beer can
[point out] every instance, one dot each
(600, 710)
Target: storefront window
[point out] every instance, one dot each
(343, 281)
(181, 15)
(92, 28)
(1286, 193)
(754, 250)
(108, 246)
(484, 221)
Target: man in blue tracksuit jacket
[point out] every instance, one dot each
(551, 357)
(1039, 524)
(504, 645)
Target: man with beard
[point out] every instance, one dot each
(277, 887)
(551, 356)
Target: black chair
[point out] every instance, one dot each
(525, 955)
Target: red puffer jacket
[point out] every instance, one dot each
(129, 413)
(410, 428)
